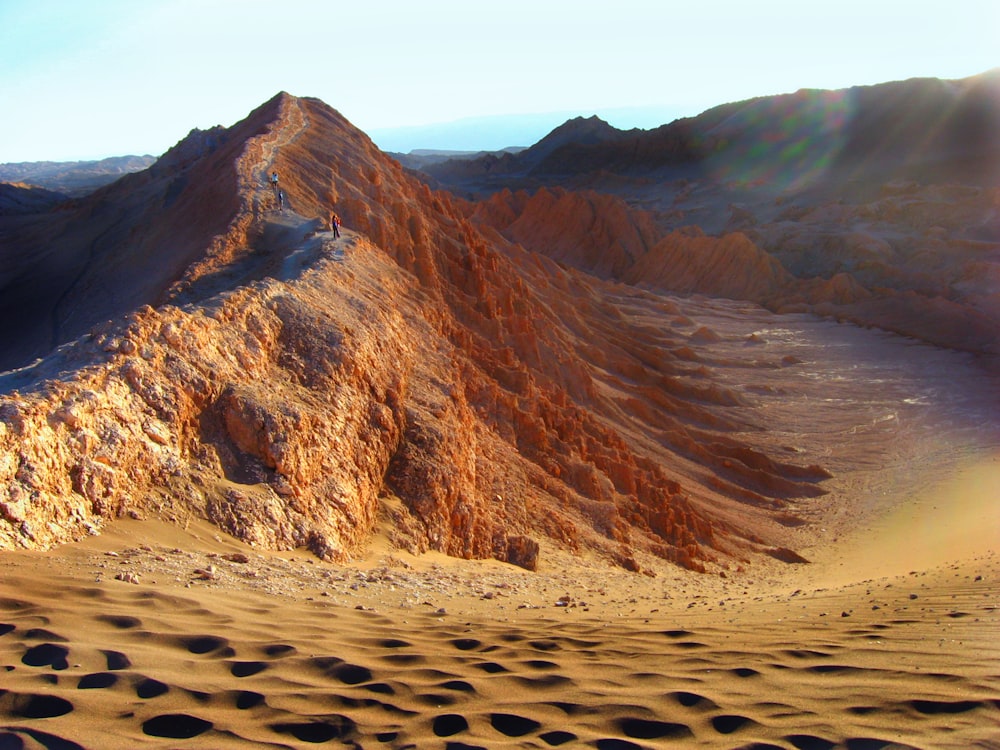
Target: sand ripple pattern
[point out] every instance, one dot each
(114, 666)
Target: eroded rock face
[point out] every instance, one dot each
(189, 407)
(919, 260)
(423, 367)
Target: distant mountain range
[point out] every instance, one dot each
(500, 132)
(73, 178)
(927, 129)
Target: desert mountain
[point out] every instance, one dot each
(921, 129)
(291, 387)
(476, 377)
(559, 378)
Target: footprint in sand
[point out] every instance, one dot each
(204, 644)
(10, 738)
(147, 687)
(693, 700)
(809, 742)
(122, 622)
(247, 699)
(557, 737)
(47, 655)
(176, 726)
(116, 660)
(246, 668)
(647, 729)
(35, 706)
(97, 681)
(352, 674)
(513, 725)
(330, 728)
(727, 723)
(447, 725)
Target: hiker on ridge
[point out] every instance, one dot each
(335, 224)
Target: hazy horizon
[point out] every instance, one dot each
(84, 81)
(489, 133)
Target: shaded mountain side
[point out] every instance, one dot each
(298, 384)
(873, 204)
(73, 178)
(924, 129)
(18, 199)
(125, 244)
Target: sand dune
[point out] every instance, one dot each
(152, 636)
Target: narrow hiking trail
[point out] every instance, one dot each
(228, 251)
(294, 121)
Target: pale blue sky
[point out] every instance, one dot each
(83, 80)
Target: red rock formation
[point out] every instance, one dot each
(728, 266)
(586, 230)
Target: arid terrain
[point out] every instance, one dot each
(625, 442)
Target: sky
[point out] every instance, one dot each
(85, 80)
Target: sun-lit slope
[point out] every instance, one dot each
(305, 383)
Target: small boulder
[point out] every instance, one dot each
(523, 552)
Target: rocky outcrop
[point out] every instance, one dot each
(587, 230)
(226, 415)
(919, 260)
(730, 266)
(601, 235)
